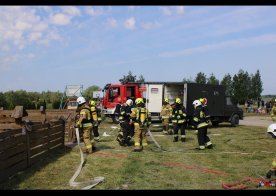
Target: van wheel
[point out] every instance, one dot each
(115, 119)
(235, 120)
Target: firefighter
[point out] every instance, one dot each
(84, 124)
(205, 110)
(272, 169)
(201, 125)
(179, 120)
(96, 115)
(142, 120)
(127, 127)
(273, 111)
(166, 114)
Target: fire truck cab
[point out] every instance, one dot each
(115, 95)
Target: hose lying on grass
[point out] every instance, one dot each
(92, 182)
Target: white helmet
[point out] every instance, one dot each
(196, 103)
(272, 130)
(81, 100)
(129, 102)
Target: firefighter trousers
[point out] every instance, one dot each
(273, 165)
(140, 138)
(88, 139)
(202, 137)
(181, 127)
(165, 124)
(96, 131)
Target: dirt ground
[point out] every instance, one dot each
(262, 121)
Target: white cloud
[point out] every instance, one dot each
(71, 10)
(60, 19)
(238, 43)
(34, 36)
(93, 11)
(112, 22)
(180, 9)
(150, 25)
(7, 61)
(166, 11)
(133, 7)
(130, 23)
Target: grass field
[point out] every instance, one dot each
(239, 152)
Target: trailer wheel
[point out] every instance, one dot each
(115, 119)
(235, 120)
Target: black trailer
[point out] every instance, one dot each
(221, 108)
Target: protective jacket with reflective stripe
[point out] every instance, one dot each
(199, 118)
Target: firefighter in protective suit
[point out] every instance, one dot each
(84, 123)
(272, 169)
(142, 120)
(205, 110)
(96, 115)
(201, 125)
(166, 114)
(127, 127)
(273, 111)
(179, 120)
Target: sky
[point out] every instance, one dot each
(48, 47)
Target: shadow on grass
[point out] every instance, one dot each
(14, 181)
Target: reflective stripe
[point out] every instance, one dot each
(201, 147)
(183, 136)
(137, 144)
(195, 119)
(181, 121)
(144, 144)
(176, 135)
(89, 146)
(202, 125)
(208, 143)
(274, 164)
(87, 125)
(174, 121)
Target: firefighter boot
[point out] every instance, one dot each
(269, 174)
(183, 138)
(165, 132)
(209, 145)
(175, 139)
(138, 148)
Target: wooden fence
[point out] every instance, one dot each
(21, 147)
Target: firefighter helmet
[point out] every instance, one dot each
(139, 100)
(177, 100)
(166, 100)
(272, 130)
(196, 103)
(129, 102)
(81, 100)
(92, 102)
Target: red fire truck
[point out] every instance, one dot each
(116, 94)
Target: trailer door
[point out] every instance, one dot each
(154, 96)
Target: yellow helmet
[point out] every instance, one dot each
(201, 100)
(92, 102)
(177, 100)
(166, 100)
(139, 100)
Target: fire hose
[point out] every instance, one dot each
(92, 182)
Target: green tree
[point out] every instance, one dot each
(88, 93)
(189, 80)
(212, 79)
(200, 78)
(141, 79)
(228, 83)
(128, 78)
(256, 86)
(241, 86)
(21, 97)
(3, 102)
